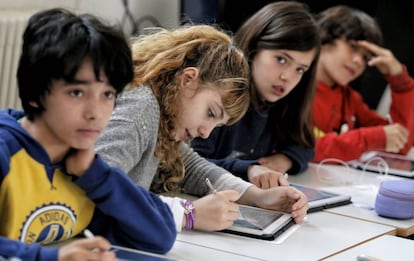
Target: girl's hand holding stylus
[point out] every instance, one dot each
(216, 211)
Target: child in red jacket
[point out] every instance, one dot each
(343, 124)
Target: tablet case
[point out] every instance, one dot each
(260, 223)
(398, 165)
(319, 200)
(263, 236)
(395, 199)
(129, 254)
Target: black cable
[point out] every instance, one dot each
(129, 17)
(137, 24)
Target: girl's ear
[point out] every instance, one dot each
(189, 76)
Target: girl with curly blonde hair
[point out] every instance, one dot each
(187, 82)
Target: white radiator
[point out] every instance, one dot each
(12, 25)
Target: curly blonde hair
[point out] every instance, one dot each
(160, 57)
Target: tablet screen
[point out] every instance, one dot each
(256, 219)
(260, 221)
(402, 164)
(397, 164)
(314, 194)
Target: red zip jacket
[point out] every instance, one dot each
(362, 128)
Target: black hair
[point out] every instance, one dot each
(55, 44)
(349, 23)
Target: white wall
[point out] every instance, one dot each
(165, 11)
(112, 11)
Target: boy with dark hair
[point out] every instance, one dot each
(52, 184)
(345, 127)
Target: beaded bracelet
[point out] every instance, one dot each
(189, 214)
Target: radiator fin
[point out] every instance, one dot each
(12, 25)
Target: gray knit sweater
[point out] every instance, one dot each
(129, 142)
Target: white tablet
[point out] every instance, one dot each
(319, 199)
(129, 254)
(399, 165)
(260, 223)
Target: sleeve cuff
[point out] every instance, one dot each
(231, 182)
(176, 209)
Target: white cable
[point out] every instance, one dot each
(331, 179)
(382, 166)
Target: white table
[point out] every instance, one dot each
(353, 182)
(385, 248)
(404, 227)
(190, 252)
(322, 235)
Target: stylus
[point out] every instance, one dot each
(87, 233)
(389, 119)
(211, 187)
